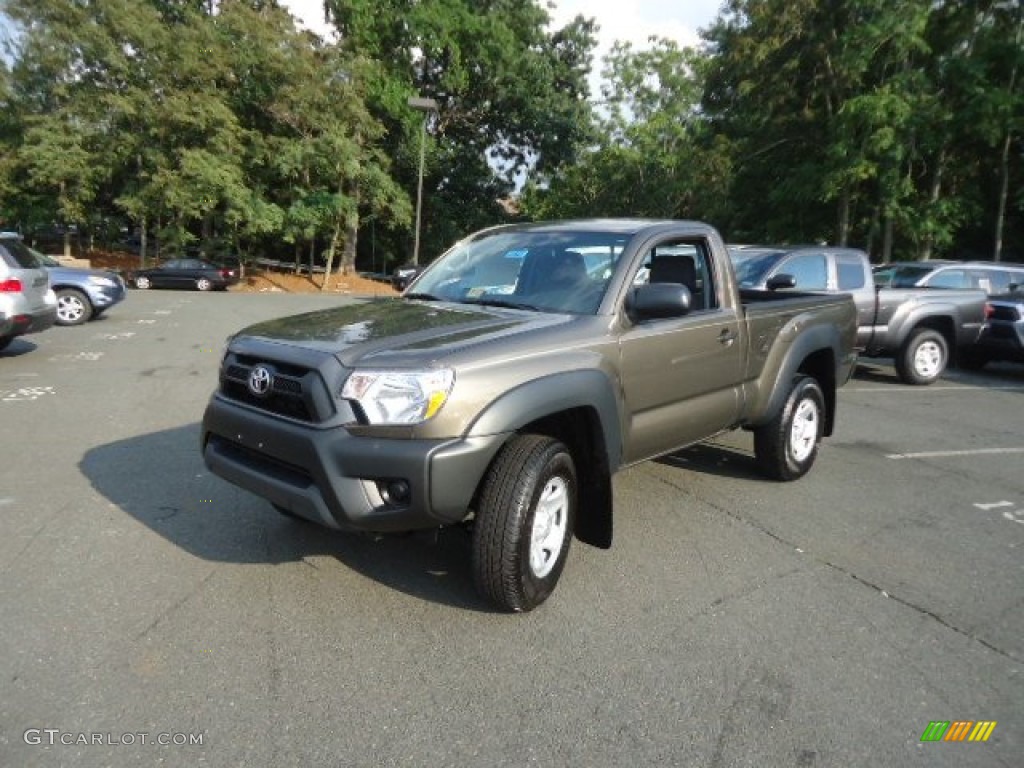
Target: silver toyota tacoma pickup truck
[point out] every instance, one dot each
(513, 378)
(922, 329)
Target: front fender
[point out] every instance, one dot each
(553, 394)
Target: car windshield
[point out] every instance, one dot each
(42, 258)
(563, 272)
(752, 268)
(903, 276)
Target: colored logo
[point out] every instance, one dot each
(958, 730)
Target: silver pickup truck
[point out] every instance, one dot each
(922, 329)
(514, 377)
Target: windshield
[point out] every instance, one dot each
(904, 276)
(45, 260)
(751, 268)
(565, 272)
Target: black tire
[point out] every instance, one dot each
(530, 473)
(971, 360)
(923, 357)
(784, 447)
(204, 284)
(73, 307)
(143, 283)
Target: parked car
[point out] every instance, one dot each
(921, 329)
(992, 277)
(404, 275)
(27, 303)
(512, 381)
(187, 273)
(1002, 338)
(82, 294)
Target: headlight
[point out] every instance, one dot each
(105, 281)
(399, 397)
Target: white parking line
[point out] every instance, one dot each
(77, 356)
(929, 390)
(994, 505)
(944, 454)
(115, 336)
(25, 393)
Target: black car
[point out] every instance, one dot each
(404, 275)
(187, 273)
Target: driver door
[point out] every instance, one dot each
(680, 376)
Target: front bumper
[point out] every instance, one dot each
(104, 296)
(340, 480)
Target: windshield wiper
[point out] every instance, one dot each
(422, 296)
(503, 303)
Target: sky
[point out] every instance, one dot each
(632, 20)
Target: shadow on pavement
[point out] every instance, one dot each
(161, 481)
(18, 347)
(713, 459)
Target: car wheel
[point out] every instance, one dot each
(203, 284)
(787, 446)
(73, 307)
(524, 522)
(143, 282)
(923, 357)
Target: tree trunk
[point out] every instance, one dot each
(843, 225)
(335, 235)
(348, 256)
(297, 261)
(143, 235)
(1004, 191)
(933, 198)
(887, 239)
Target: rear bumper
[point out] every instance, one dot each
(16, 321)
(339, 480)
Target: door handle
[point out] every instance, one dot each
(727, 336)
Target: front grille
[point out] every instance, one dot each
(281, 470)
(1009, 314)
(296, 392)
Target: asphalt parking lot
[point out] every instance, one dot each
(735, 622)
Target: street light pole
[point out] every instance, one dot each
(426, 106)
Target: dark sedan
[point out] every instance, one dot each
(187, 273)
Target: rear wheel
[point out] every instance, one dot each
(923, 357)
(73, 307)
(203, 284)
(787, 446)
(524, 522)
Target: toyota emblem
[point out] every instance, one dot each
(260, 380)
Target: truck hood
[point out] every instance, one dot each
(398, 332)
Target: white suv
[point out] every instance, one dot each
(27, 304)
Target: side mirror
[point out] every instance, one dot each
(780, 281)
(658, 300)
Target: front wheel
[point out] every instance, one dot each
(786, 446)
(73, 307)
(203, 284)
(143, 282)
(923, 357)
(524, 522)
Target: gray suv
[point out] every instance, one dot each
(989, 276)
(27, 303)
